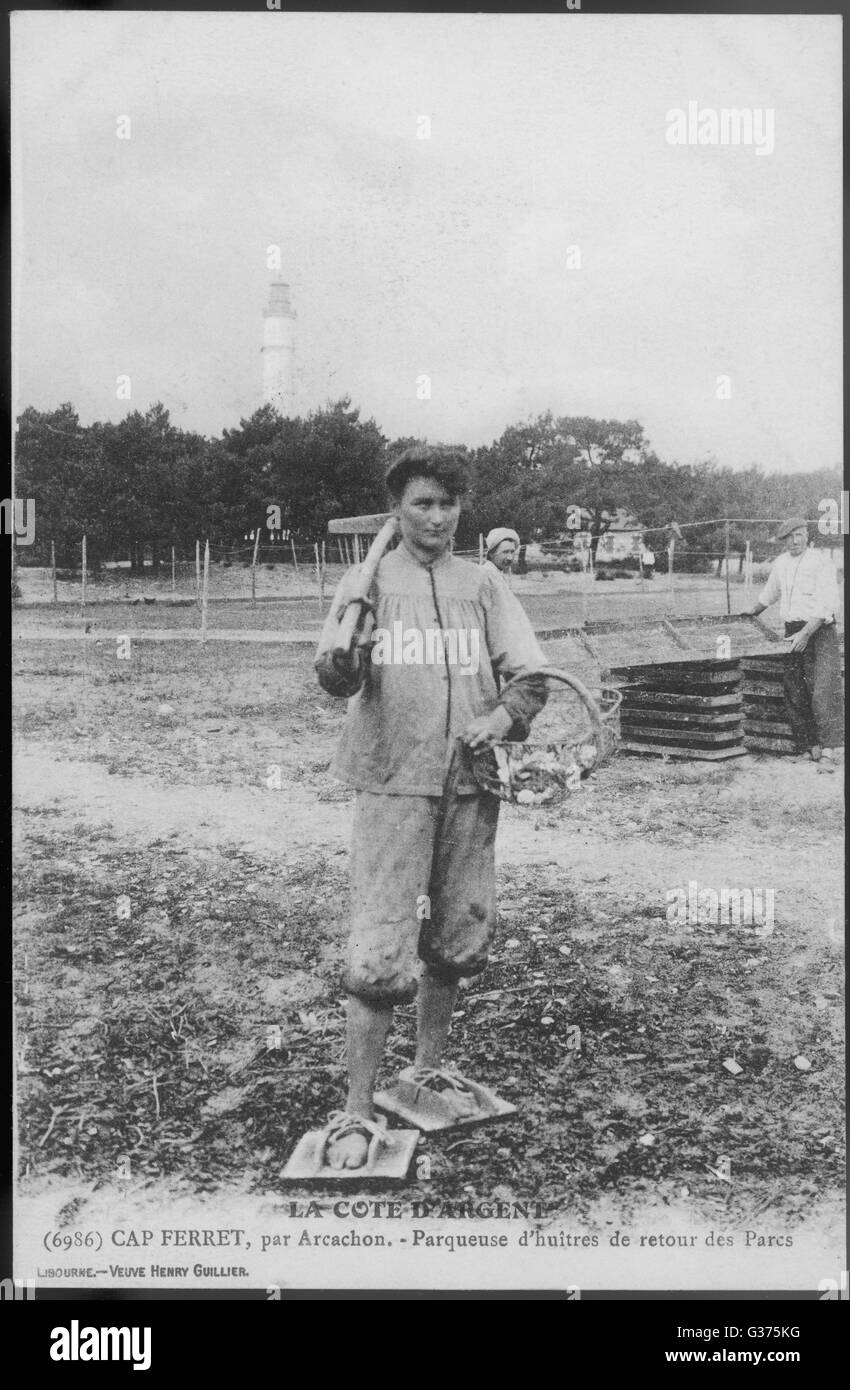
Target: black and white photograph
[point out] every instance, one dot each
(427, 550)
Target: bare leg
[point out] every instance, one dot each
(368, 1025)
(434, 1017)
(436, 1004)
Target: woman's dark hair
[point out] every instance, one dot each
(446, 466)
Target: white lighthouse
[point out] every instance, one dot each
(279, 349)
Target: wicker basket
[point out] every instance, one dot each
(536, 773)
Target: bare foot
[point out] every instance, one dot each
(349, 1136)
(351, 1151)
(460, 1102)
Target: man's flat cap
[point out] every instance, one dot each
(792, 524)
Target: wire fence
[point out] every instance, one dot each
(286, 568)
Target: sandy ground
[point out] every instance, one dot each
(146, 808)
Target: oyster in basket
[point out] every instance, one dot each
(539, 774)
(588, 755)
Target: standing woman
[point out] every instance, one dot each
(423, 901)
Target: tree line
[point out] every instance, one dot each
(145, 484)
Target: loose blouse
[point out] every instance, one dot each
(444, 636)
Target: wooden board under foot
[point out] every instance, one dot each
(391, 1163)
(389, 1102)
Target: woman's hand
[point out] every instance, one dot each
(799, 641)
(348, 664)
(488, 728)
(350, 589)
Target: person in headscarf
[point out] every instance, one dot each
(502, 547)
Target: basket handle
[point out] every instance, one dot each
(554, 673)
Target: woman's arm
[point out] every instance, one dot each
(342, 676)
(515, 655)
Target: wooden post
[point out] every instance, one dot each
(85, 566)
(339, 548)
(173, 572)
(298, 570)
(198, 572)
(320, 577)
(53, 569)
(254, 567)
(726, 564)
(480, 548)
(357, 550)
(671, 552)
(586, 578)
(751, 572)
(204, 594)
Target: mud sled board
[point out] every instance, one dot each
(389, 1158)
(422, 1106)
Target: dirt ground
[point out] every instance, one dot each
(181, 897)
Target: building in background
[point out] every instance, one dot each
(279, 350)
(620, 541)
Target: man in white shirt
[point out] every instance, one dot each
(804, 583)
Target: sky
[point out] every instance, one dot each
(704, 298)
